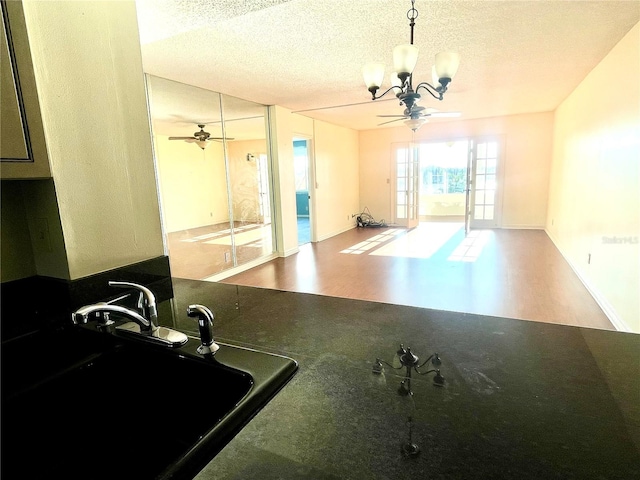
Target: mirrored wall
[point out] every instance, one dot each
(214, 175)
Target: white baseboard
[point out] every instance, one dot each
(291, 251)
(600, 299)
(524, 227)
(346, 229)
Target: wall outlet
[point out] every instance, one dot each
(227, 257)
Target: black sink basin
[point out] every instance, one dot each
(94, 406)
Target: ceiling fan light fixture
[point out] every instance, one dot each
(415, 123)
(202, 144)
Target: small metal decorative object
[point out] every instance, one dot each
(406, 359)
(409, 361)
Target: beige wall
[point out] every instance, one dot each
(92, 95)
(595, 181)
(525, 166)
(337, 192)
(193, 184)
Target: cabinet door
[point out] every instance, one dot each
(14, 145)
(23, 152)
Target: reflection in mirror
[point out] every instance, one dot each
(213, 178)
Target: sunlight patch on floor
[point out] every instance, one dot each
(243, 238)
(219, 233)
(421, 242)
(471, 247)
(372, 242)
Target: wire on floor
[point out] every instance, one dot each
(365, 219)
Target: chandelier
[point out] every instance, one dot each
(405, 57)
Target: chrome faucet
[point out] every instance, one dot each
(144, 325)
(146, 301)
(205, 325)
(102, 311)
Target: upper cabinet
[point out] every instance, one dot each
(23, 152)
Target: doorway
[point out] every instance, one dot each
(451, 181)
(443, 181)
(302, 171)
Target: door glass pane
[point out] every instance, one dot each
(401, 211)
(478, 212)
(490, 182)
(480, 197)
(491, 165)
(481, 167)
(489, 197)
(480, 182)
(488, 212)
(482, 150)
(402, 184)
(401, 198)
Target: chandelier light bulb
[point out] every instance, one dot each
(405, 58)
(373, 74)
(447, 64)
(395, 80)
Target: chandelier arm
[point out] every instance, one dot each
(374, 97)
(433, 370)
(425, 362)
(433, 91)
(389, 365)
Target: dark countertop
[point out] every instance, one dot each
(522, 399)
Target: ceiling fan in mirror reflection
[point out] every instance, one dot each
(201, 138)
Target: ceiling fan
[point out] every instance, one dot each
(200, 138)
(416, 116)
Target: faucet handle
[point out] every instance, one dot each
(205, 325)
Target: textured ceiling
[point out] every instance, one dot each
(307, 55)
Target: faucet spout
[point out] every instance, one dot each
(149, 308)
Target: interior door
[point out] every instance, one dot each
(405, 164)
(485, 204)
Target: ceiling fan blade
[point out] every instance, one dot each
(444, 114)
(181, 138)
(392, 116)
(391, 121)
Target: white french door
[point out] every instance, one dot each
(405, 165)
(485, 206)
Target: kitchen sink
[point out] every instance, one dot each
(91, 405)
